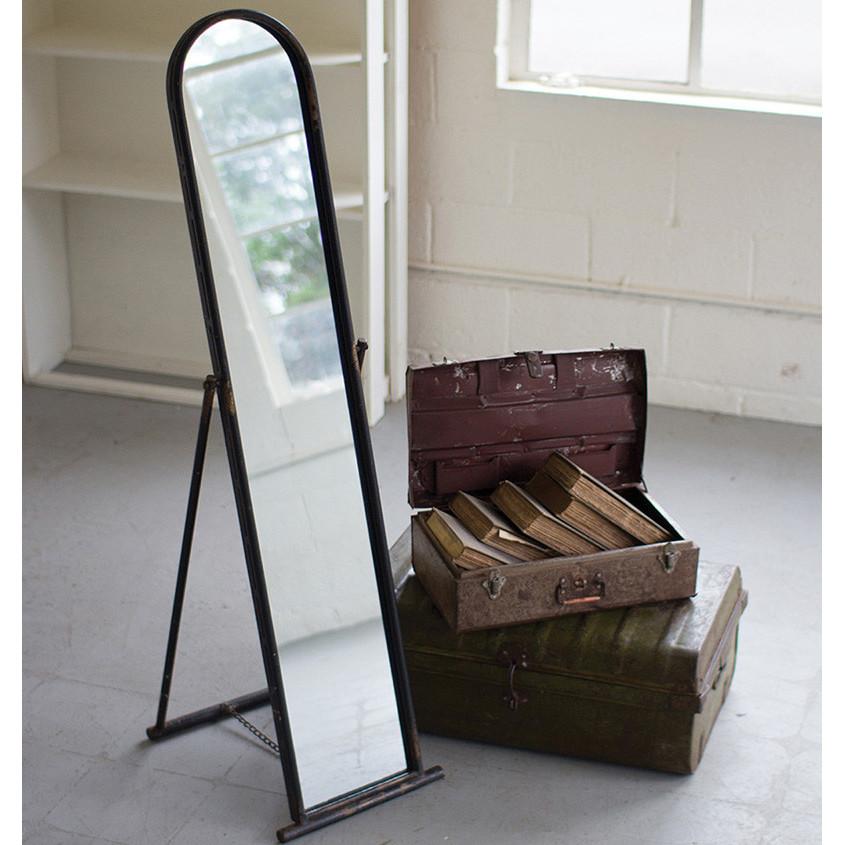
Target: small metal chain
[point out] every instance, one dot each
(251, 728)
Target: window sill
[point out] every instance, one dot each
(672, 99)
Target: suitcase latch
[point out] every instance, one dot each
(579, 590)
(493, 584)
(514, 657)
(669, 557)
(535, 365)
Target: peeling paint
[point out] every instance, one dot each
(617, 369)
(461, 372)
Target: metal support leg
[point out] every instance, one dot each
(209, 387)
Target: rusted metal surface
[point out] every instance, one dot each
(209, 386)
(363, 800)
(545, 589)
(208, 715)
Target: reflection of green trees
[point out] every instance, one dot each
(246, 102)
(290, 262)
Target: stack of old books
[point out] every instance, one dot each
(562, 511)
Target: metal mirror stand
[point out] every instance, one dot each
(305, 819)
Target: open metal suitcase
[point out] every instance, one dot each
(476, 423)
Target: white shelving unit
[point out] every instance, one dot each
(110, 300)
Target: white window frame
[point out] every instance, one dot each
(513, 73)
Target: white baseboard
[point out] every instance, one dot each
(141, 363)
(118, 387)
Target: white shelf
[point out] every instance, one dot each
(77, 174)
(74, 107)
(73, 43)
(347, 196)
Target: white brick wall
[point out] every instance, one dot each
(545, 221)
(439, 307)
(549, 242)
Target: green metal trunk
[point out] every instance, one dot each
(640, 686)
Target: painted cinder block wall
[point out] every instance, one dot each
(541, 221)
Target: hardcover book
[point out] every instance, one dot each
(572, 511)
(530, 516)
(491, 527)
(460, 546)
(603, 500)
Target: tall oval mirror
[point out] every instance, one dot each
(265, 241)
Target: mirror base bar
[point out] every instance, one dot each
(359, 802)
(215, 713)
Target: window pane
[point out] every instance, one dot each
(648, 39)
(307, 340)
(291, 272)
(246, 102)
(269, 184)
(228, 39)
(763, 46)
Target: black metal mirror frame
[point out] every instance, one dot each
(304, 818)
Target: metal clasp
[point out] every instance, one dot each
(494, 583)
(514, 657)
(535, 365)
(669, 557)
(580, 591)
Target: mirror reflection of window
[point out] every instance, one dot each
(244, 97)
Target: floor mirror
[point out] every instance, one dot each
(287, 377)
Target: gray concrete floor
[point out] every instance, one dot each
(105, 482)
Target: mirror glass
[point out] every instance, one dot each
(260, 216)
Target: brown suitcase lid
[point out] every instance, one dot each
(476, 423)
(672, 647)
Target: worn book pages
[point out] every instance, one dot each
(572, 511)
(537, 522)
(592, 492)
(460, 546)
(490, 526)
